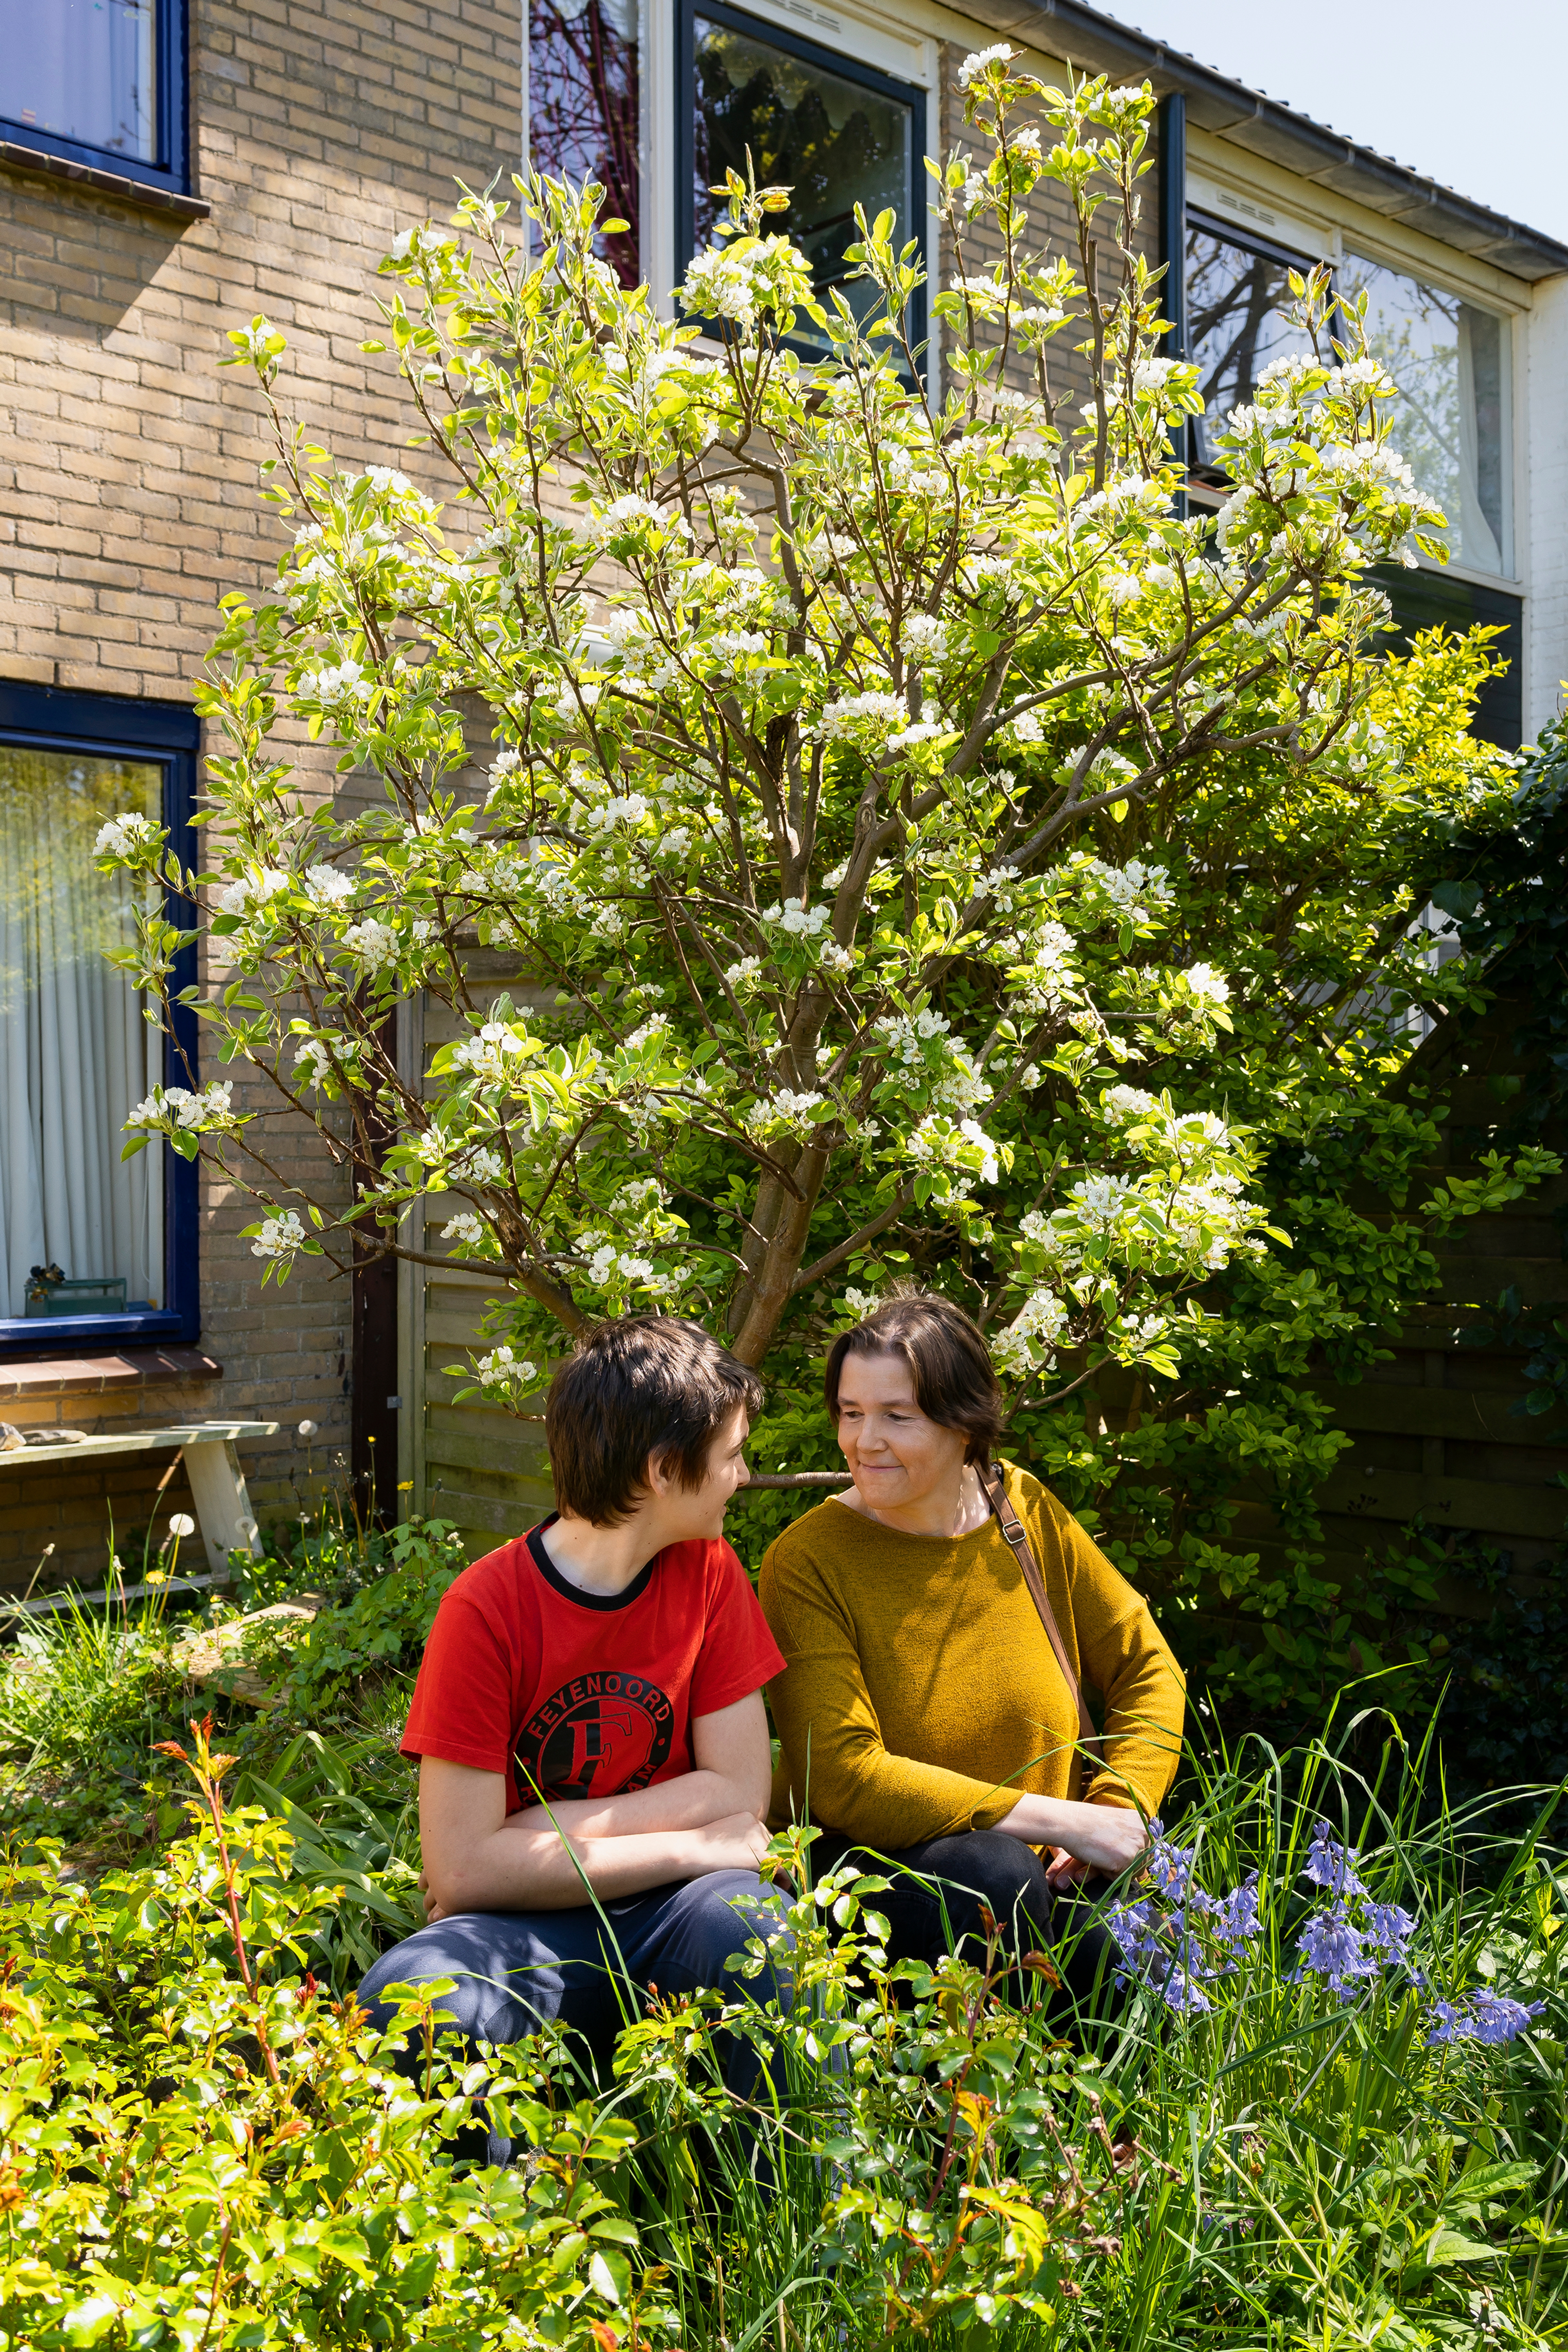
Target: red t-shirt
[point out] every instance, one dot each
(578, 1695)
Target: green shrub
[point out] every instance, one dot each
(205, 2150)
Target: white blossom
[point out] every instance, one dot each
(500, 1369)
(842, 719)
(279, 1236)
(785, 1108)
(979, 60)
(253, 889)
(372, 941)
(1207, 984)
(124, 837)
(326, 887)
(924, 639)
(797, 920)
(177, 1107)
(334, 682)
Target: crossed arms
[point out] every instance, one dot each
(478, 1858)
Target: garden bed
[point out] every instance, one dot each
(206, 2147)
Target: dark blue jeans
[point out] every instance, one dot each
(933, 1906)
(516, 1970)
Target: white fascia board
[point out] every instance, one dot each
(1248, 211)
(1335, 222)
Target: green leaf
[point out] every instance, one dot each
(610, 2275)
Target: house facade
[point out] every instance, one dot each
(176, 167)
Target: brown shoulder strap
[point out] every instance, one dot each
(1023, 1551)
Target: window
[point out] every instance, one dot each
(1450, 362)
(834, 132)
(100, 81)
(1236, 296)
(583, 100)
(92, 1248)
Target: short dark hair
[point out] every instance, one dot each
(646, 1385)
(955, 1385)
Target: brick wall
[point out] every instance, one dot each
(128, 505)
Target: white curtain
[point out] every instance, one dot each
(1477, 540)
(74, 1053)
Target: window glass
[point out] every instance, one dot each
(83, 70)
(582, 109)
(76, 1055)
(833, 142)
(1451, 362)
(1236, 299)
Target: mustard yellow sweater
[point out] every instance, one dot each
(922, 1695)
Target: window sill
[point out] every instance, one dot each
(65, 1374)
(149, 197)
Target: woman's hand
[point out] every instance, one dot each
(1082, 1838)
(1065, 1870)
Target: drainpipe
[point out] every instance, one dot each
(1173, 248)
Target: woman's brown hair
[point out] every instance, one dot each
(948, 1358)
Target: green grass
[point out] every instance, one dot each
(205, 2147)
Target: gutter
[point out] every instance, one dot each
(1248, 119)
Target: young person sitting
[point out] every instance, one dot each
(593, 1745)
(927, 1715)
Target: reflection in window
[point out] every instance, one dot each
(835, 142)
(76, 1055)
(1451, 362)
(582, 109)
(1237, 298)
(83, 70)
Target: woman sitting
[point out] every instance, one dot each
(927, 1714)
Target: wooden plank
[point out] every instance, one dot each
(1475, 1503)
(496, 1515)
(138, 1440)
(1463, 1414)
(446, 1327)
(499, 1456)
(1477, 1281)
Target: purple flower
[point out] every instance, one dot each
(1182, 1993)
(1334, 1950)
(1329, 1864)
(1233, 1916)
(1388, 1929)
(1170, 1867)
(1483, 2016)
(1135, 1930)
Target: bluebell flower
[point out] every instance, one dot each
(1482, 2016)
(1329, 1864)
(1176, 1938)
(1169, 1867)
(1182, 1992)
(1233, 1916)
(1332, 1947)
(1387, 1930)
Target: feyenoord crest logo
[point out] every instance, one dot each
(600, 1734)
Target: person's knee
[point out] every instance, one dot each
(1008, 1878)
(410, 1967)
(484, 1999)
(731, 1912)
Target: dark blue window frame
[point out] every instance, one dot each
(172, 169)
(812, 53)
(41, 720)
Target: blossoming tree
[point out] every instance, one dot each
(839, 734)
